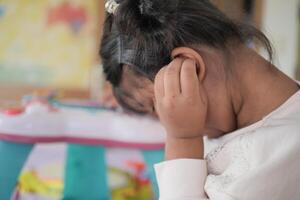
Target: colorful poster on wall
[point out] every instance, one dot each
(48, 43)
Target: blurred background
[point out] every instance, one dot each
(53, 44)
(51, 47)
(49, 44)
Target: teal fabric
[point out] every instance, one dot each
(85, 170)
(151, 158)
(86, 173)
(12, 158)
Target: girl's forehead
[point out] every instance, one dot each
(132, 81)
(136, 100)
(138, 91)
(135, 92)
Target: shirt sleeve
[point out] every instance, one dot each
(181, 179)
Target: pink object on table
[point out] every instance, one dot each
(13, 111)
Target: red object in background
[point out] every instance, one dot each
(139, 168)
(67, 13)
(13, 111)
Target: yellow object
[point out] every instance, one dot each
(49, 42)
(29, 182)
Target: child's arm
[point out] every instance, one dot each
(183, 176)
(181, 179)
(181, 106)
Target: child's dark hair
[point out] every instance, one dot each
(143, 33)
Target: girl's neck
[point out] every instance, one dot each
(258, 87)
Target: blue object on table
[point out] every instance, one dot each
(152, 157)
(86, 173)
(12, 158)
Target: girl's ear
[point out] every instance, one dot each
(192, 54)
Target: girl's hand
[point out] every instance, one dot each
(180, 100)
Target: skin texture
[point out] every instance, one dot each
(107, 98)
(178, 91)
(209, 93)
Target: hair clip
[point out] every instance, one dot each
(111, 6)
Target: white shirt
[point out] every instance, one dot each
(259, 162)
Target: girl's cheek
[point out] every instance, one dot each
(154, 115)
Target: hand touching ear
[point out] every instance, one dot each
(180, 100)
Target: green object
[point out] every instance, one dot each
(86, 173)
(151, 158)
(12, 158)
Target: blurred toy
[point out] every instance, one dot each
(41, 121)
(30, 182)
(93, 130)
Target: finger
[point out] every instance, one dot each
(202, 94)
(172, 78)
(188, 78)
(159, 84)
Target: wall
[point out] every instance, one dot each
(280, 23)
(232, 8)
(49, 43)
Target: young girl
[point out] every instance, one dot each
(232, 118)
